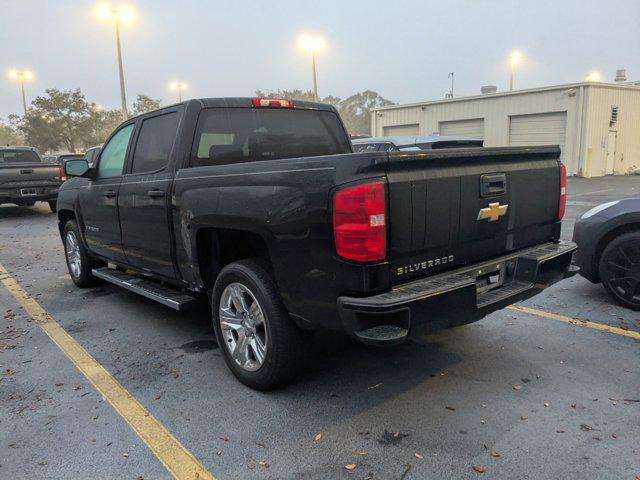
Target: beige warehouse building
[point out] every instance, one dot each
(597, 125)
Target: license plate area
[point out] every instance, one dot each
(28, 192)
(490, 277)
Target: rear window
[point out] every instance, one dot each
(232, 135)
(19, 156)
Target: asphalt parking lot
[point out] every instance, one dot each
(516, 395)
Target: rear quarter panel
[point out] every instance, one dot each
(288, 203)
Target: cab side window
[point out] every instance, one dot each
(111, 163)
(155, 142)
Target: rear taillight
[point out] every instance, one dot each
(63, 174)
(563, 191)
(272, 102)
(359, 222)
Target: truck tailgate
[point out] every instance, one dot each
(452, 207)
(20, 175)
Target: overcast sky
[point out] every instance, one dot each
(401, 49)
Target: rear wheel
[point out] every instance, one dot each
(260, 343)
(620, 269)
(79, 262)
(53, 205)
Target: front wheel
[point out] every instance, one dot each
(79, 262)
(620, 269)
(260, 343)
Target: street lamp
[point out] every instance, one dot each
(515, 57)
(593, 76)
(21, 76)
(178, 87)
(117, 14)
(312, 44)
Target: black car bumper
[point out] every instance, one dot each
(458, 297)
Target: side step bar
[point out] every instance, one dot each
(160, 293)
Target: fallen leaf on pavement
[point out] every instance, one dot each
(350, 466)
(450, 408)
(524, 417)
(264, 464)
(494, 454)
(517, 387)
(317, 437)
(479, 469)
(224, 439)
(417, 455)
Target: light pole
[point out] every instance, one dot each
(21, 76)
(515, 57)
(312, 44)
(118, 14)
(178, 87)
(452, 77)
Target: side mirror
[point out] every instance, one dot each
(76, 168)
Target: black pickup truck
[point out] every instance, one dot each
(261, 206)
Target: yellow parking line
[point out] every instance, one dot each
(577, 321)
(173, 455)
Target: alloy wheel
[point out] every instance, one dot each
(73, 254)
(623, 271)
(242, 322)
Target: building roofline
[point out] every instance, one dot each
(625, 85)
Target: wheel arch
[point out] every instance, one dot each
(63, 217)
(218, 247)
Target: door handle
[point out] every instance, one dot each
(26, 170)
(109, 193)
(155, 193)
(493, 184)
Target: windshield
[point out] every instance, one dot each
(250, 134)
(19, 156)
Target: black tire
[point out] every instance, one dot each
(82, 277)
(620, 269)
(53, 205)
(284, 339)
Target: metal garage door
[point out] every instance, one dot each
(538, 129)
(467, 128)
(397, 130)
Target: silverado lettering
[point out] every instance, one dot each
(425, 264)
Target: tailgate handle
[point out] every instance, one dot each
(493, 184)
(27, 170)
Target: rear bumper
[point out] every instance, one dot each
(15, 195)
(455, 298)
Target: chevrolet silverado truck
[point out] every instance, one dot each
(261, 206)
(25, 179)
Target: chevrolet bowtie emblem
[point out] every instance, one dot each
(493, 212)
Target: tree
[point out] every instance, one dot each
(144, 104)
(60, 119)
(9, 135)
(355, 110)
